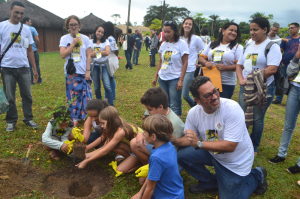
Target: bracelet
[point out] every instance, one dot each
(156, 75)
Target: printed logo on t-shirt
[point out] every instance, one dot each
(293, 48)
(252, 56)
(12, 36)
(60, 132)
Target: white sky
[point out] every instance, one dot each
(284, 11)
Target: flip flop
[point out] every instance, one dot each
(55, 155)
(118, 158)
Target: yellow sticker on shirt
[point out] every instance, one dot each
(217, 55)
(166, 59)
(252, 56)
(76, 54)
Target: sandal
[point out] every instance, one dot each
(55, 155)
(119, 158)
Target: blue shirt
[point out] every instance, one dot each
(163, 168)
(289, 49)
(137, 39)
(33, 33)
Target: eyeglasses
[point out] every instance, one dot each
(73, 25)
(209, 96)
(169, 22)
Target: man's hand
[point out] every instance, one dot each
(192, 137)
(286, 40)
(36, 76)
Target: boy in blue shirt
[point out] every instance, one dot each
(164, 180)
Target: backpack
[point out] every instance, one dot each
(278, 76)
(147, 39)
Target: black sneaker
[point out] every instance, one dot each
(276, 102)
(264, 186)
(31, 123)
(10, 127)
(276, 159)
(293, 170)
(196, 189)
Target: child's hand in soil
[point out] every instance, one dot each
(88, 155)
(64, 148)
(82, 164)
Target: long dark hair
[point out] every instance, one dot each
(109, 29)
(192, 30)
(174, 27)
(220, 36)
(95, 37)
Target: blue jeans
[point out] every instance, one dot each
(136, 54)
(258, 114)
(113, 85)
(230, 185)
(128, 54)
(228, 91)
(106, 79)
(280, 97)
(153, 53)
(174, 95)
(37, 63)
(185, 90)
(94, 136)
(291, 115)
(10, 78)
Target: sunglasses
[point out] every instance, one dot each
(209, 96)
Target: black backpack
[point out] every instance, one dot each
(147, 39)
(278, 76)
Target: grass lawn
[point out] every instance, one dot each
(130, 87)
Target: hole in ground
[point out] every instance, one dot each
(80, 188)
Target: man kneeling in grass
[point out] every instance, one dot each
(155, 101)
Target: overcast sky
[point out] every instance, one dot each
(284, 12)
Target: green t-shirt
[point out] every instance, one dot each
(178, 125)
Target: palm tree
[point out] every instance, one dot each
(257, 14)
(213, 19)
(115, 17)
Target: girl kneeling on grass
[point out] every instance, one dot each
(164, 180)
(116, 135)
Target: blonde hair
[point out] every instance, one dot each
(159, 125)
(114, 122)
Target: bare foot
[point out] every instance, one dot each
(142, 180)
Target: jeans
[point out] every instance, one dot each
(113, 85)
(128, 54)
(10, 78)
(185, 90)
(37, 63)
(94, 136)
(153, 53)
(136, 54)
(147, 46)
(228, 91)
(106, 79)
(291, 115)
(174, 95)
(280, 97)
(230, 185)
(258, 114)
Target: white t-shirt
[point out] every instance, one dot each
(226, 123)
(99, 48)
(112, 44)
(16, 56)
(171, 55)
(81, 65)
(195, 46)
(257, 53)
(229, 57)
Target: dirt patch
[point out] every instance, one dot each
(18, 180)
(79, 150)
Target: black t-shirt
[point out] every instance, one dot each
(130, 42)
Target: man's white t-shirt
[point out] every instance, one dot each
(171, 55)
(16, 56)
(81, 65)
(229, 57)
(226, 123)
(195, 46)
(257, 54)
(99, 48)
(112, 44)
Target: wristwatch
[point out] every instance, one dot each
(199, 145)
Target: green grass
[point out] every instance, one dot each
(130, 87)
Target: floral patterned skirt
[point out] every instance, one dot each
(80, 89)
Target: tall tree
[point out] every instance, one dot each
(115, 17)
(156, 24)
(199, 21)
(171, 13)
(135, 23)
(244, 27)
(130, 24)
(213, 20)
(261, 14)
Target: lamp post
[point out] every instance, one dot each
(128, 16)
